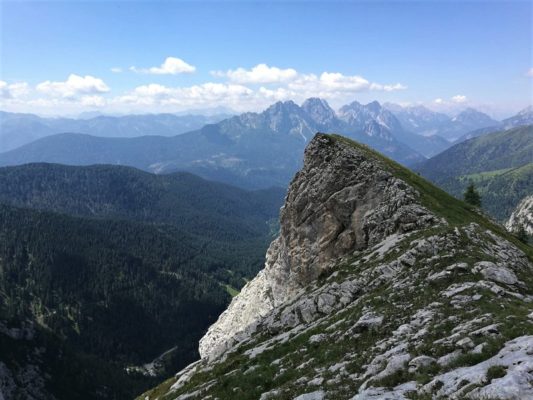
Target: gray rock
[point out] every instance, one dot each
(496, 273)
(318, 395)
(421, 361)
(368, 321)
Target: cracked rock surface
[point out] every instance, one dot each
(374, 290)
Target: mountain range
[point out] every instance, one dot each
(19, 129)
(252, 150)
(464, 125)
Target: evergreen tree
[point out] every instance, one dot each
(472, 196)
(522, 235)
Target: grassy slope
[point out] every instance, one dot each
(455, 211)
(498, 163)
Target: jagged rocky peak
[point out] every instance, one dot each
(522, 216)
(380, 286)
(340, 202)
(319, 110)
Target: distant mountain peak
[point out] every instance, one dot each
(374, 106)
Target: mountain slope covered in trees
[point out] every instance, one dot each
(499, 164)
(114, 267)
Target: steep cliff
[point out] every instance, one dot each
(339, 202)
(522, 216)
(380, 286)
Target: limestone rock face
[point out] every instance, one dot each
(367, 294)
(339, 203)
(522, 216)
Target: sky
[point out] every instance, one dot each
(64, 58)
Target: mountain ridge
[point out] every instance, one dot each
(253, 150)
(414, 313)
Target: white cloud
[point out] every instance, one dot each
(171, 66)
(459, 99)
(13, 90)
(332, 85)
(205, 95)
(74, 85)
(261, 73)
(116, 70)
(242, 90)
(93, 101)
(438, 101)
(529, 73)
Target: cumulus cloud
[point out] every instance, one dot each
(335, 84)
(305, 84)
(261, 73)
(75, 85)
(171, 66)
(207, 94)
(242, 90)
(438, 101)
(116, 70)
(13, 90)
(459, 99)
(529, 73)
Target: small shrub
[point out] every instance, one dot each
(495, 372)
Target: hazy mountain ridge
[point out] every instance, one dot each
(19, 129)
(421, 120)
(252, 150)
(105, 191)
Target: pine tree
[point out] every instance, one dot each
(472, 196)
(522, 235)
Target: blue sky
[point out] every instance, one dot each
(59, 57)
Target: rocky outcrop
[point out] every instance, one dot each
(340, 202)
(382, 293)
(522, 216)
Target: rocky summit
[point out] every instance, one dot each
(379, 286)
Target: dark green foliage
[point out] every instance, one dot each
(522, 235)
(472, 196)
(117, 290)
(135, 264)
(495, 372)
(105, 191)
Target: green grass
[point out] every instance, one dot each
(231, 290)
(487, 175)
(495, 372)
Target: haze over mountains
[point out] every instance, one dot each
(19, 129)
(252, 150)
